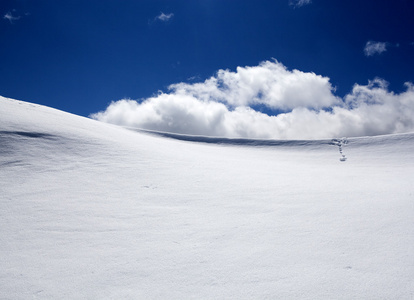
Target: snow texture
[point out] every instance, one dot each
(94, 211)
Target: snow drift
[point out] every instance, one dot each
(92, 211)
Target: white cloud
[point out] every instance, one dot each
(164, 17)
(307, 106)
(299, 3)
(270, 84)
(372, 48)
(10, 17)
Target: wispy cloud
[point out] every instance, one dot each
(9, 16)
(164, 17)
(299, 3)
(304, 103)
(372, 48)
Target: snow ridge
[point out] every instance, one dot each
(235, 141)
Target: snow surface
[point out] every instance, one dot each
(94, 211)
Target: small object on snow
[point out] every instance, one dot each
(340, 143)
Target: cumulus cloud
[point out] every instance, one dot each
(270, 84)
(299, 3)
(164, 17)
(303, 104)
(9, 16)
(372, 48)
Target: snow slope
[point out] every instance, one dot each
(93, 211)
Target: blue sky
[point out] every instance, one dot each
(78, 56)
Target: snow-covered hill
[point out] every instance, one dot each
(89, 210)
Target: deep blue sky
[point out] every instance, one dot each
(78, 56)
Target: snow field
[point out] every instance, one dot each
(94, 211)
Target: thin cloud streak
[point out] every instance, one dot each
(10, 17)
(164, 17)
(299, 3)
(372, 48)
(307, 106)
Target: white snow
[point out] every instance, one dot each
(90, 210)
